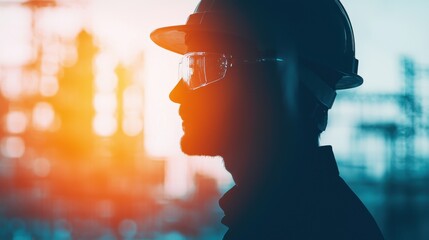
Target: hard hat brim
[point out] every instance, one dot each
(172, 38)
(348, 81)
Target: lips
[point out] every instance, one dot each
(183, 125)
(181, 112)
(192, 118)
(183, 116)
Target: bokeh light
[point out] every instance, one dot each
(15, 46)
(12, 147)
(48, 86)
(43, 116)
(11, 84)
(105, 103)
(16, 122)
(41, 167)
(105, 124)
(132, 125)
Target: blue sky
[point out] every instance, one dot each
(385, 30)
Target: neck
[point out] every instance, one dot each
(254, 164)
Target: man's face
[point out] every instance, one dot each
(205, 117)
(210, 115)
(225, 115)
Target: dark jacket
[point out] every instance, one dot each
(316, 204)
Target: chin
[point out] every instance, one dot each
(199, 145)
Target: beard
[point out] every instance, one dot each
(205, 143)
(219, 138)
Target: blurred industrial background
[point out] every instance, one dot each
(89, 140)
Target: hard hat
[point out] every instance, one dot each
(319, 30)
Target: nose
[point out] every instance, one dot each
(179, 92)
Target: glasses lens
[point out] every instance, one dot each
(215, 67)
(191, 70)
(198, 69)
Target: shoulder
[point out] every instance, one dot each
(341, 213)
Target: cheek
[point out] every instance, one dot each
(228, 108)
(258, 111)
(238, 112)
(208, 110)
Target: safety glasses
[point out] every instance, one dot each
(198, 69)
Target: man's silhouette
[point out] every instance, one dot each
(257, 80)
